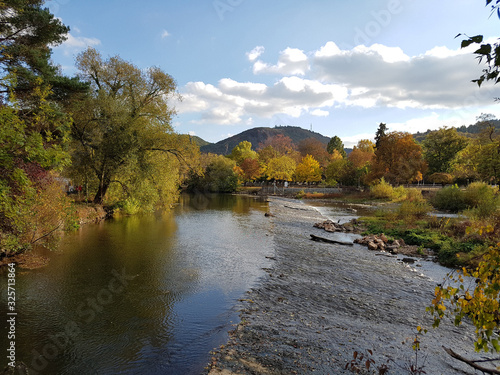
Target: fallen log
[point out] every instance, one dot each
(327, 240)
(471, 363)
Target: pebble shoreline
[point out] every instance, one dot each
(322, 302)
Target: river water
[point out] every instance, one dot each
(147, 294)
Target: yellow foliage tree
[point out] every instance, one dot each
(308, 170)
(478, 300)
(281, 168)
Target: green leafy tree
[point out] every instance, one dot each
(441, 147)
(243, 151)
(336, 144)
(27, 33)
(123, 123)
(218, 177)
(34, 131)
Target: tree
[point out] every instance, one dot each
(398, 158)
(250, 169)
(308, 170)
(336, 144)
(123, 123)
(27, 33)
(440, 148)
(362, 154)
(381, 131)
(34, 130)
(315, 148)
(243, 151)
(280, 143)
(281, 168)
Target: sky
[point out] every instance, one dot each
(334, 66)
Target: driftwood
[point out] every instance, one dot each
(327, 240)
(471, 363)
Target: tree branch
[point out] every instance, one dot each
(471, 363)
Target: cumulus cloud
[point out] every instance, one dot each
(165, 34)
(316, 82)
(255, 53)
(77, 43)
(232, 102)
(387, 77)
(292, 61)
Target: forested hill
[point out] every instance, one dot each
(259, 135)
(470, 130)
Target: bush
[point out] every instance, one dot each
(382, 190)
(481, 199)
(449, 198)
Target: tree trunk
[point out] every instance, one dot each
(101, 192)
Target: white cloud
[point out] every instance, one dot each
(77, 43)
(387, 77)
(292, 61)
(320, 113)
(255, 53)
(165, 34)
(316, 82)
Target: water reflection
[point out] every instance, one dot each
(150, 294)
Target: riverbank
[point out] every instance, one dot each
(83, 214)
(321, 303)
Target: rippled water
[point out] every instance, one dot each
(142, 295)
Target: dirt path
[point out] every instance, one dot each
(321, 302)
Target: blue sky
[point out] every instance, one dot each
(327, 64)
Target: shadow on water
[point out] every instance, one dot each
(150, 294)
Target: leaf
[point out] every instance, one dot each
(465, 43)
(485, 49)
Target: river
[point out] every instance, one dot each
(150, 294)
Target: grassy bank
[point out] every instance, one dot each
(405, 213)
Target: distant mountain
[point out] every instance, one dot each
(470, 131)
(199, 141)
(259, 135)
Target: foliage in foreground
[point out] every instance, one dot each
(473, 293)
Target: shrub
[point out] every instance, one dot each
(481, 199)
(449, 198)
(382, 190)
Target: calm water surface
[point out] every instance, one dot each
(141, 295)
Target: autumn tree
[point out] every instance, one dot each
(315, 148)
(336, 144)
(243, 151)
(281, 168)
(124, 126)
(362, 154)
(250, 169)
(398, 158)
(440, 148)
(308, 170)
(280, 143)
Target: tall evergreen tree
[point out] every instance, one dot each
(336, 144)
(381, 132)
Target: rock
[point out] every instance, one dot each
(408, 260)
(372, 246)
(402, 242)
(396, 243)
(384, 238)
